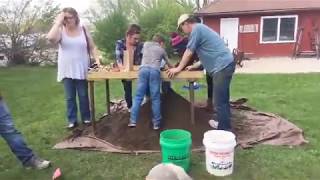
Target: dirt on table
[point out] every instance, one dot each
(251, 127)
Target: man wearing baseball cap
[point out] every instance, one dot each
(217, 60)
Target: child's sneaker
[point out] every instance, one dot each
(214, 124)
(132, 125)
(86, 122)
(71, 125)
(156, 127)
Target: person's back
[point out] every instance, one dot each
(211, 49)
(153, 53)
(149, 79)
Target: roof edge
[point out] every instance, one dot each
(255, 11)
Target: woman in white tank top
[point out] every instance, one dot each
(75, 45)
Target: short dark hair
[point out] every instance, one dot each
(133, 29)
(158, 38)
(74, 13)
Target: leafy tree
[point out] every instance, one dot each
(108, 30)
(111, 19)
(22, 25)
(162, 18)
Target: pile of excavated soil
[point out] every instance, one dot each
(251, 127)
(175, 115)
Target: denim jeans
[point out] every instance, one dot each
(13, 138)
(127, 87)
(149, 79)
(210, 86)
(72, 87)
(221, 95)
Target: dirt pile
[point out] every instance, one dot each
(175, 114)
(251, 127)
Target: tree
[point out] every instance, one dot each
(162, 18)
(111, 19)
(108, 30)
(22, 25)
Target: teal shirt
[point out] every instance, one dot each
(210, 48)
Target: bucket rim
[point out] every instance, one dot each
(227, 135)
(185, 133)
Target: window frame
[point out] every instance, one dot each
(278, 30)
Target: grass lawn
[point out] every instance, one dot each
(37, 104)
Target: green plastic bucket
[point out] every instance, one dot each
(176, 147)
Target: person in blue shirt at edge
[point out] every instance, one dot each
(217, 60)
(16, 142)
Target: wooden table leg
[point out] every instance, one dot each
(108, 97)
(191, 93)
(92, 107)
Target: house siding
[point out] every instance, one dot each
(250, 42)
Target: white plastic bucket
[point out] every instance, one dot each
(219, 147)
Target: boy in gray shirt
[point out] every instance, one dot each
(149, 78)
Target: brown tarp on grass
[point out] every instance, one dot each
(250, 126)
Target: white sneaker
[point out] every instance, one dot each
(145, 100)
(71, 125)
(37, 163)
(86, 122)
(213, 123)
(132, 125)
(156, 127)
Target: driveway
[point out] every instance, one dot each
(284, 65)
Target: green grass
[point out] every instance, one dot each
(37, 104)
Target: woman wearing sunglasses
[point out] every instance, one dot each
(75, 47)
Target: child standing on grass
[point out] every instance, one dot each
(149, 78)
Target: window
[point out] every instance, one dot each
(278, 29)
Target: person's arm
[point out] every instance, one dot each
(184, 61)
(167, 60)
(119, 54)
(194, 66)
(54, 35)
(93, 48)
(187, 55)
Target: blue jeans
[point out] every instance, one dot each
(221, 94)
(13, 138)
(149, 79)
(71, 88)
(210, 86)
(127, 87)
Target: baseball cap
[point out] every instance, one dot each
(182, 19)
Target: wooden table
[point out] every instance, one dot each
(190, 76)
